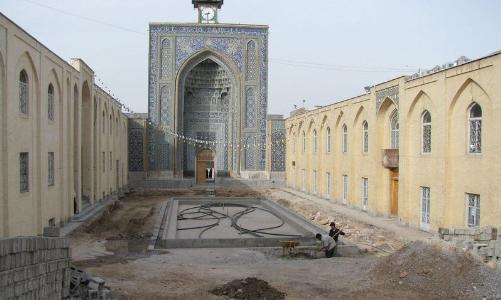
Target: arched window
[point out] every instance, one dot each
(111, 125)
(328, 140)
(304, 142)
(426, 132)
(294, 143)
(23, 92)
(395, 130)
(345, 139)
(314, 141)
(475, 128)
(50, 102)
(365, 136)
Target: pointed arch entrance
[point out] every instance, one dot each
(208, 109)
(387, 138)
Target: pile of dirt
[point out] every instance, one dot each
(237, 193)
(102, 223)
(148, 194)
(437, 269)
(118, 222)
(249, 289)
(134, 228)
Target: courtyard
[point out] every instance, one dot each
(263, 150)
(114, 247)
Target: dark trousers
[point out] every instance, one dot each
(330, 253)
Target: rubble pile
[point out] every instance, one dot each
(248, 289)
(440, 269)
(367, 237)
(485, 242)
(86, 287)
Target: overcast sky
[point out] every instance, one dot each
(320, 50)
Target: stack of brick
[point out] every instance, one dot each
(485, 242)
(34, 268)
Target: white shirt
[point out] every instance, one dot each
(328, 242)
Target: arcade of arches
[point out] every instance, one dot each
(420, 148)
(58, 154)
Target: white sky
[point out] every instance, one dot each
(369, 36)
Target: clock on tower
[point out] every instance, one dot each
(207, 10)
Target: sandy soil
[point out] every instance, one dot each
(114, 248)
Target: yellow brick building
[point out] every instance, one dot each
(423, 148)
(63, 140)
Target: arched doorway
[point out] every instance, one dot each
(208, 109)
(205, 166)
(388, 140)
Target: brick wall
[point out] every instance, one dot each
(34, 268)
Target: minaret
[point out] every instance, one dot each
(207, 10)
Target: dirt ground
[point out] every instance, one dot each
(114, 248)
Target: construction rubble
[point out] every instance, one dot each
(485, 242)
(83, 286)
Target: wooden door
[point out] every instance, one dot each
(205, 160)
(394, 192)
(201, 172)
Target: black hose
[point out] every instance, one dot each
(206, 212)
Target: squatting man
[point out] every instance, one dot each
(328, 244)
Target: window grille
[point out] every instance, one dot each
(365, 137)
(328, 141)
(51, 180)
(365, 193)
(425, 205)
(24, 179)
(395, 131)
(50, 102)
(345, 139)
(23, 93)
(475, 129)
(426, 138)
(473, 210)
